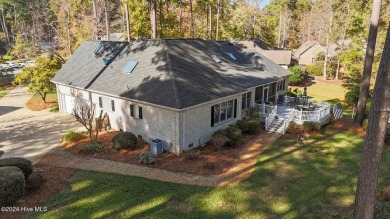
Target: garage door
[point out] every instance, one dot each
(69, 104)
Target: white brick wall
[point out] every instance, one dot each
(197, 123)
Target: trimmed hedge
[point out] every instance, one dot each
(124, 140)
(218, 140)
(234, 134)
(23, 164)
(314, 70)
(249, 126)
(12, 185)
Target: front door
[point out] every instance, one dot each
(265, 94)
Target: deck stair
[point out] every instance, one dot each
(276, 126)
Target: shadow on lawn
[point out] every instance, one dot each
(290, 180)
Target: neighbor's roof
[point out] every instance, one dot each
(304, 47)
(171, 73)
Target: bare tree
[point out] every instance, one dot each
(328, 38)
(365, 84)
(153, 18)
(85, 114)
(127, 21)
(374, 141)
(218, 6)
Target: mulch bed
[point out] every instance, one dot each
(56, 178)
(38, 105)
(223, 159)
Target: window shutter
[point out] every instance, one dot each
(100, 102)
(140, 112)
(235, 108)
(212, 116)
(113, 105)
(132, 110)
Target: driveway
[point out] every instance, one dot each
(30, 134)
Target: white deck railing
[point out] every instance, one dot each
(265, 109)
(270, 118)
(287, 121)
(318, 116)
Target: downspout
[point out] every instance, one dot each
(184, 128)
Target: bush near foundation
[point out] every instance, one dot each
(23, 164)
(12, 185)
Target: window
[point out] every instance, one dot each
(107, 104)
(140, 112)
(282, 85)
(129, 67)
(246, 101)
(132, 110)
(223, 112)
(232, 56)
(106, 60)
(216, 58)
(97, 49)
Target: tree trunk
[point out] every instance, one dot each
(107, 24)
(181, 18)
(343, 41)
(94, 34)
(280, 27)
(327, 40)
(161, 20)
(68, 32)
(365, 84)
(5, 25)
(311, 15)
(210, 23)
(16, 20)
(218, 5)
(374, 141)
(192, 20)
(153, 18)
(127, 21)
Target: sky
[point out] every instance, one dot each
(264, 3)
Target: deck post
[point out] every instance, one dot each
(301, 116)
(263, 108)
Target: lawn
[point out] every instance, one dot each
(36, 103)
(332, 93)
(311, 180)
(5, 86)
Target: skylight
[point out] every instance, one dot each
(232, 56)
(129, 67)
(216, 58)
(97, 48)
(106, 60)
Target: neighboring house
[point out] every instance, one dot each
(113, 37)
(307, 53)
(281, 57)
(179, 91)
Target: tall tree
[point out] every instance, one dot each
(374, 140)
(328, 35)
(365, 84)
(153, 18)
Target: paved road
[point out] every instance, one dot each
(29, 134)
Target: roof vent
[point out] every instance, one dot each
(232, 56)
(97, 49)
(216, 58)
(106, 60)
(129, 67)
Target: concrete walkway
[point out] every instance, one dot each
(26, 133)
(241, 169)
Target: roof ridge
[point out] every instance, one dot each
(171, 74)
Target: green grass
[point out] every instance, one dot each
(316, 180)
(49, 97)
(331, 93)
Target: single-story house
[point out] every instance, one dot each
(307, 53)
(281, 57)
(178, 90)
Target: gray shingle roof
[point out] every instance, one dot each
(303, 48)
(171, 73)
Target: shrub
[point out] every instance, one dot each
(294, 128)
(147, 157)
(249, 126)
(23, 164)
(314, 70)
(124, 140)
(54, 108)
(218, 140)
(35, 180)
(382, 210)
(387, 135)
(253, 113)
(310, 126)
(352, 96)
(209, 165)
(297, 75)
(12, 185)
(91, 148)
(192, 155)
(234, 134)
(71, 136)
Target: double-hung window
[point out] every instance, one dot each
(224, 111)
(246, 101)
(133, 113)
(282, 85)
(107, 104)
